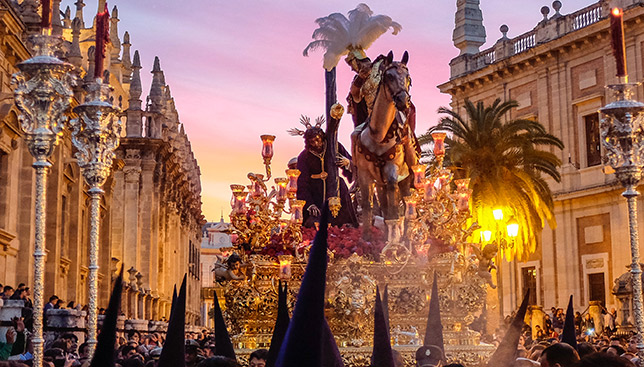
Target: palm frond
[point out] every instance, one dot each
(506, 161)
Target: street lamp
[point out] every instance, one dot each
(95, 134)
(622, 135)
(43, 92)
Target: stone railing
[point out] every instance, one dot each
(586, 16)
(547, 30)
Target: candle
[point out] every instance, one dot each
(267, 147)
(419, 175)
(239, 198)
(617, 40)
(291, 187)
(430, 189)
(281, 183)
(410, 207)
(285, 268)
(439, 143)
(102, 39)
(46, 13)
(297, 208)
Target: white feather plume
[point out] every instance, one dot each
(337, 34)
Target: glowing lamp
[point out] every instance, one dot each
(439, 143)
(419, 175)
(444, 178)
(410, 207)
(513, 228)
(462, 184)
(430, 189)
(486, 236)
(297, 211)
(282, 193)
(256, 188)
(498, 214)
(463, 200)
(285, 267)
(267, 147)
(239, 198)
(292, 175)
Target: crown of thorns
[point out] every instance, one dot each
(306, 122)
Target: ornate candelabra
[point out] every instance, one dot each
(43, 93)
(434, 213)
(257, 214)
(622, 135)
(95, 134)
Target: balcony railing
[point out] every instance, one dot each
(554, 28)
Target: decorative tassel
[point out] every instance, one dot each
(102, 39)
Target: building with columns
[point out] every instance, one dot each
(151, 215)
(557, 72)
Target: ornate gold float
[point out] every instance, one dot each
(436, 240)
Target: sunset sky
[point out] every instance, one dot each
(236, 70)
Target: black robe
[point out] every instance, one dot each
(312, 190)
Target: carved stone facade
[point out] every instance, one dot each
(557, 72)
(150, 219)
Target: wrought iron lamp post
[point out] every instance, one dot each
(622, 135)
(95, 134)
(43, 92)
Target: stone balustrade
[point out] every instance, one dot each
(65, 321)
(8, 312)
(548, 29)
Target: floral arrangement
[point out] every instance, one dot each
(345, 241)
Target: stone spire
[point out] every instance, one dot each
(469, 32)
(91, 53)
(30, 15)
(56, 24)
(157, 92)
(114, 35)
(79, 11)
(67, 18)
(74, 55)
(134, 124)
(127, 64)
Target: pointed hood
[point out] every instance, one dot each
(281, 324)
(174, 302)
(434, 329)
(330, 353)
(223, 345)
(506, 352)
(568, 335)
(104, 354)
(302, 344)
(174, 349)
(382, 355)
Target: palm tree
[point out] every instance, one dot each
(506, 162)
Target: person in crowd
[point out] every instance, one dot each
(258, 358)
(559, 355)
(7, 292)
(83, 354)
(52, 303)
(193, 355)
(604, 360)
